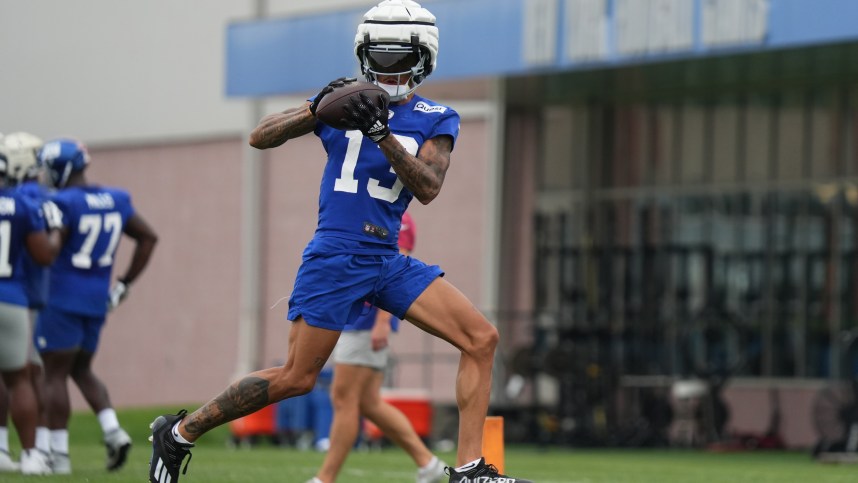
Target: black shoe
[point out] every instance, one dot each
(167, 453)
(482, 473)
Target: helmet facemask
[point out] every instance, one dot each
(401, 66)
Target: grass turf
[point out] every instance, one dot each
(214, 462)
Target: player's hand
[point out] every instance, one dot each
(117, 295)
(53, 215)
(369, 116)
(328, 89)
(379, 336)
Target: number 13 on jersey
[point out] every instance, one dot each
(347, 182)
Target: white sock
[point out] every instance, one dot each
(43, 439)
(60, 441)
(468, 466)
(109, 421)
(178, 436)
(430, 464)
(4, 438)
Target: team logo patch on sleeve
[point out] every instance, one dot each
(423, 107)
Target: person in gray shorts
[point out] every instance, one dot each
(25, 226)
(360, 358)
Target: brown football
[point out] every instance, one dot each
(330, 110)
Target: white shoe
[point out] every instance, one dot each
(6, 463)
(433, 474)
(118, 445)
(61, 463)
(34, 462)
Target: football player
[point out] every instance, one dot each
(94, 218)
(23, 227)
(389, 155)
(24, 171)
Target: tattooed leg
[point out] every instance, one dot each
(309, 348)
(240, 399)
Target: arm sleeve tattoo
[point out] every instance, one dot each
(423, 174)
(275, 129)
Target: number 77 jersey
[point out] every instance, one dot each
(361, 200)
(95, 217)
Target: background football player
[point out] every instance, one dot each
(69, 327)
(23, 227)
(24, 171)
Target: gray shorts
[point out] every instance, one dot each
(15, 336)
(355, 348)
(33, 356)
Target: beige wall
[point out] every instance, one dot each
(174, 340)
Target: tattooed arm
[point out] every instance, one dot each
(275, 129)
(423, 174)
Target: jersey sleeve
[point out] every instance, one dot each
(447, 125)
(127, 207)
(33, 217)
(65, 206)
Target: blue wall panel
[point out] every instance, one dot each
(488, 38)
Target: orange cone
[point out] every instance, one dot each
(493, 442)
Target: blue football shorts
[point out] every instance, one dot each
(330, 290)
(58, 330)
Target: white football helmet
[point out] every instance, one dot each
(398, 38)
(22, 156)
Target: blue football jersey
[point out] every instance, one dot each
(19, 216)
(35, 275)
(366, 320)
(361, 200)
(80, 276)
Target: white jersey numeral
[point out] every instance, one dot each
(5, 236)
(347, 182)
(92, 226)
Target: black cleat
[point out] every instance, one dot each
(167, 453)
(482, 473)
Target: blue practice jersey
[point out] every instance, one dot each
(19, 216)
(80, 277)
(366, 320)
(361, 200)
(35, 275)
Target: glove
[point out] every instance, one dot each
(53, 215)
(369, 116)
(117, 295)
(328, 89)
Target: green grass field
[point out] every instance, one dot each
(213, 462)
